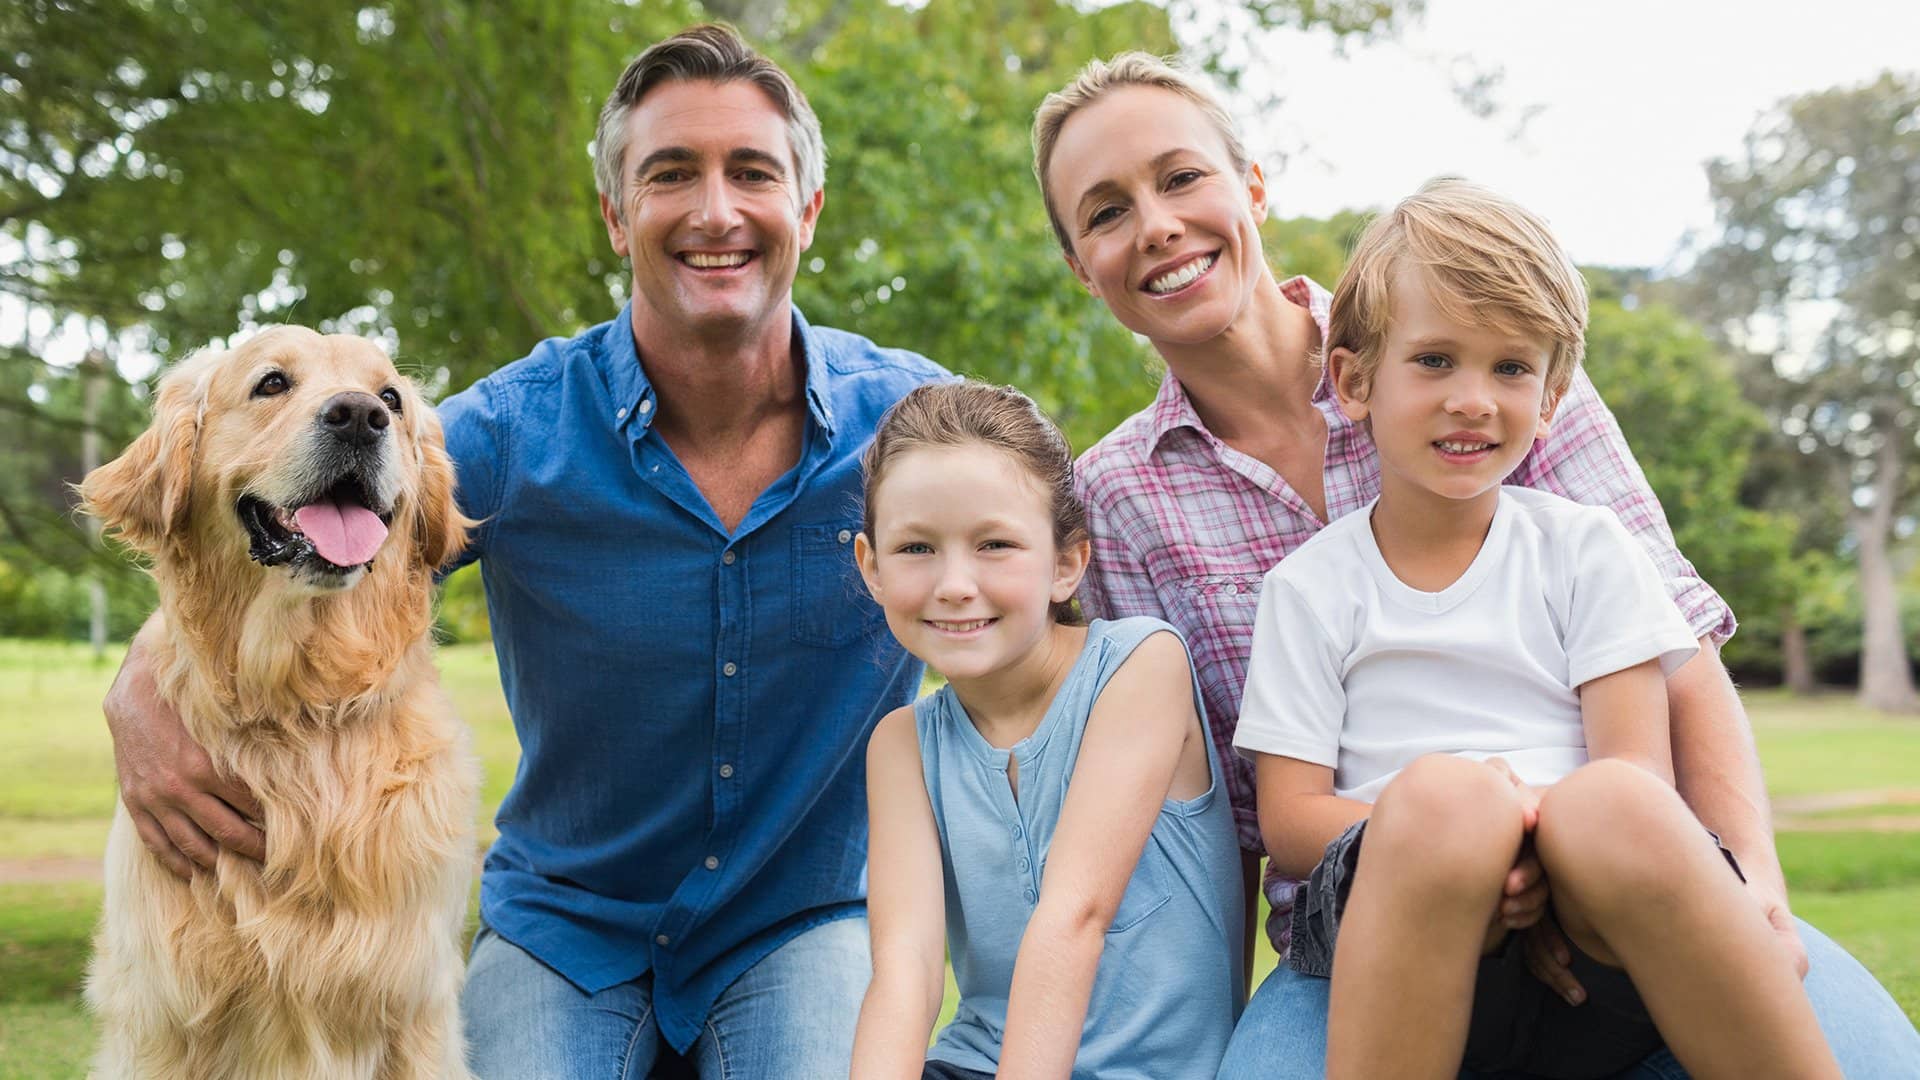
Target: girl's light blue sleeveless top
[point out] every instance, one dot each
(1169, 984)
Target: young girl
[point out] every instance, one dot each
(1055, 809)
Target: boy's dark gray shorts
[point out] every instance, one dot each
(1519, 1024)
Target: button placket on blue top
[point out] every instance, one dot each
(1025, 860)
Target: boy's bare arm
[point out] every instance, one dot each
(1299, 813)
(1625, 717)
(906, 909)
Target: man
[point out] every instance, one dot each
(668, 502)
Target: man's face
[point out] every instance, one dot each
(709, 210)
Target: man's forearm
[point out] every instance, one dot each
(1717, 768)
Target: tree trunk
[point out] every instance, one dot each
(1886, 679)
(1795, 661)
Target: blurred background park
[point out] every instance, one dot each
(179, 172)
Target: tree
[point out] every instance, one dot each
(1819, 221)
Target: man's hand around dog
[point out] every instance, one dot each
(184, 810)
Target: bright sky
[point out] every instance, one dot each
(1633, 97)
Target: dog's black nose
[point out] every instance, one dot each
(355, 418)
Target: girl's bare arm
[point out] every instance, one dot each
(906, 909)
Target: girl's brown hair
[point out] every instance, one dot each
(999, 417)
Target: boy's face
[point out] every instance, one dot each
(1454, 406)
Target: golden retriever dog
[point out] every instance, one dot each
(294, 498)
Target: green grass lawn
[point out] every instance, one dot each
(1863, 888)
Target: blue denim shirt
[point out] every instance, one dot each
(692, 704)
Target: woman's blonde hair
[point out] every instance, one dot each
(1486, 260)
(1094, 82)
(998, 417)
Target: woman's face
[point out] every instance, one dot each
(1164, 228)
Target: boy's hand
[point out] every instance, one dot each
(1529, 796)
(1548, 957)
(1523, 900)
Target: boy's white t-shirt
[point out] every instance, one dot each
(1354, 669)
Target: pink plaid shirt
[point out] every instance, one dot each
(1185, 526)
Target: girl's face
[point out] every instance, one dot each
(1165, 229)
(962, 559)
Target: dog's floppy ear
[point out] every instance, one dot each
(142, 495)
(439, 528)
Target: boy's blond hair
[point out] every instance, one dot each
(1097, 80)
(1486, 261)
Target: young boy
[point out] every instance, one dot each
(1467, 673)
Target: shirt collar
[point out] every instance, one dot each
(1172, 409)
(631, 392)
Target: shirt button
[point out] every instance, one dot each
(1032, 896)
(1023, 864)
(713, 863)
(661, 939)
(1231, 590)
(729, 669)
(622, 413)
(727, 558)
(1016, 832)
(726, 772)
(846, 535)
(646, 406)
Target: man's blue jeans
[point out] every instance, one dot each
(1283, 1033)
(789, 1016)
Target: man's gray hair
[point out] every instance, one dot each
(714, 53)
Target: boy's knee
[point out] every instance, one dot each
(1609, 827)
(1449, 812)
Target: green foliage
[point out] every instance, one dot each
(934, 236)
(462, 608)
(1313, 247)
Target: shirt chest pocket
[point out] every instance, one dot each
(1146, 893)
(830, 604)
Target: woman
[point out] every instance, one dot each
(1244, 455)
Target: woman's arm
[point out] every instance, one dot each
(1717, 769)
(1140, 725)
(906, 909)
(1299, 813)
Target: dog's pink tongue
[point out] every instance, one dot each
(344, 535)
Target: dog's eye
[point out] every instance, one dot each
(392, 398)
(270, 384)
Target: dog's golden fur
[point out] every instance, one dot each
(339, 955)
